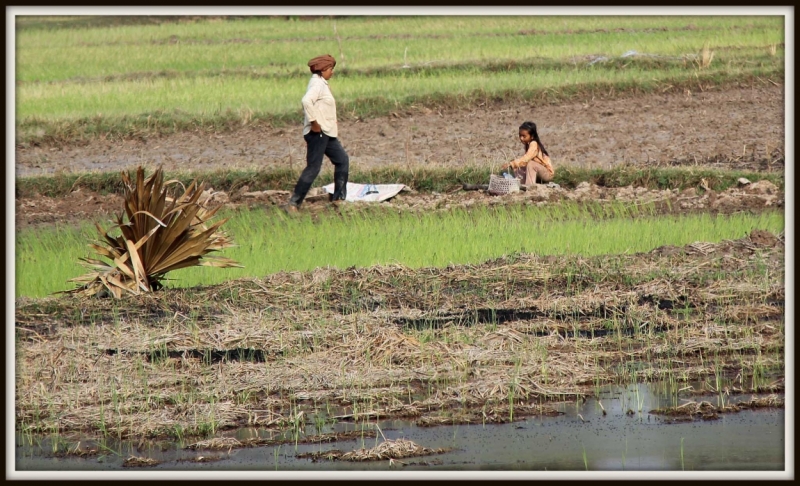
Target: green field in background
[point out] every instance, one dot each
(190, 73)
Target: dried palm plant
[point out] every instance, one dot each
(161, 234)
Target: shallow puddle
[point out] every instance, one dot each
(626, 437)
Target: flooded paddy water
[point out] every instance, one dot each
(615, 431)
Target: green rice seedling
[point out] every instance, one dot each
(103, 445)
(115, 403)
(297, 423)
(511, 392)
(410, 239)
(28, 248)
(585, 460)
(639, 399)
(102, 424)
(596, 380)
(759, 374)
(244, 397)
(55, 439)
(178, 433)
(718, 381)
(624, 453)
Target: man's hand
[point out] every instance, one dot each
(315, 127)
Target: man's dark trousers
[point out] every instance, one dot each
(318, 145)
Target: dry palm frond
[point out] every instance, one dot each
(161, 234)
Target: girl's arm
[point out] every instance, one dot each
(533, 151)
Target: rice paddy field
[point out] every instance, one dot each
(357, 336)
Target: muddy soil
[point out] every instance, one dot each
(82, 204)
(735, 127)
(611, 438)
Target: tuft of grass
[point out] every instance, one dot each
(706, 56)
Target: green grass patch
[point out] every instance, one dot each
(79, 60)
(423, 179)
(83, 30)
(269, 241)
(204, 96)
(100, 22)
(216, 74)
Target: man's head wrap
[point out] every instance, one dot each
(321, 63)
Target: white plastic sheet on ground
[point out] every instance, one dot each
(368, 192)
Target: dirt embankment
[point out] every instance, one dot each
(83, 204)
(728, 126)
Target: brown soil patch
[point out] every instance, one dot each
(78, 205)
(229, 443)
(135, 461)
(762, 237)
(707, 411)
(737, 128)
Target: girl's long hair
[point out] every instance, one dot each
(530, 127)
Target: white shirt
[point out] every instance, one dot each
(319, 106)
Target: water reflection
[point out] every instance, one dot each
(625, 437)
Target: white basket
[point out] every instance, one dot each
(499, 185)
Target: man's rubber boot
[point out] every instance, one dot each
(339, 189)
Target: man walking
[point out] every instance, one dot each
(320, 131)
